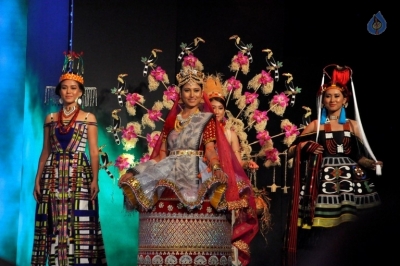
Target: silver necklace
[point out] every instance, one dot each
(68, 112)
(182, 121)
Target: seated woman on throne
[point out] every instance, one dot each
(195, 204)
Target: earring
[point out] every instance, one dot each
(342, 117)
(60, 101)
(323, 116)
(79, 101)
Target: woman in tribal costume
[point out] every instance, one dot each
(67, 226)
(330, 182)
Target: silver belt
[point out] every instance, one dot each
(334, 161)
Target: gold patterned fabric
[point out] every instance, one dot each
(170, 235)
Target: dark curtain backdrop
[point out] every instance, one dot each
(114, 35)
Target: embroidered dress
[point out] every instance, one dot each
(328, 189)
(182, 227)
(67, 227)
(343, 186)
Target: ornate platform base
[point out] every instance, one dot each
(170, 235)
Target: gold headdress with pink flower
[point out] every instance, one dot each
(192, 68)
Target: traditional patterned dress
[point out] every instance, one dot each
(67, 227)
(331, 188)
(343, 186)
(187, 223)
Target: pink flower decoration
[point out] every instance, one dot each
(189, 60)
(265, 77)
(272, 155)
(280, 99)
(233, 84)
(171, 93)
(263, 136)
(291, 130)
(129, 133)
(122, 163)
(154, 115)
(158, 73)
(133, 98)
(250, 97)
(145, 158)
(152, 140)
(241, 59)
(260, 116)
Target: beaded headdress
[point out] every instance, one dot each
(72, 67)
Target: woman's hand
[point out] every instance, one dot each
(374, 164)
(369, 163)
(36, 192)
(312, 147)
(124, 177)
(94, 189)
(220, 175)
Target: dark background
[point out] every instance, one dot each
(306, 37)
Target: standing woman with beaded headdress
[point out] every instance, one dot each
(67, 226)
(185, 192)
(332, 159)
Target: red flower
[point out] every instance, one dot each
(250, 97)
(272, 155)
(171, 93)
(154, 115)
(232, 84)
(133, 98)
(189, 60)
(291, 130)
(241, 59)
(265, 77)
(152, 140)
(281, 99)
(263, 137)
(158, 73)
(260, 116)
(145, 158)
(129, 133)
(122, 163)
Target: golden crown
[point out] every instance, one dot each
(213, 87)
(72, 67)
(193, 75)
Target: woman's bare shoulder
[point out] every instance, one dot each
(310, 128)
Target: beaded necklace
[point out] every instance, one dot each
(68, 113)
(64, 129)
